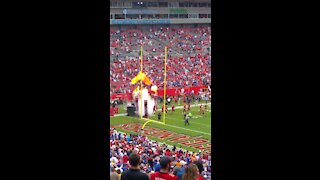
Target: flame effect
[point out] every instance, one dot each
(154, 88)
(141, 76)
(151, 102)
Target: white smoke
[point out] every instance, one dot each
(151, 102)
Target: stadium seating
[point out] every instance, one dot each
(188, 62)
(122, 145)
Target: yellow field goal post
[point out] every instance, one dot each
(164, 95)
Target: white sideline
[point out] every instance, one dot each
(178, 107)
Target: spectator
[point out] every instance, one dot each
(178, 163)
(157, 166)
(192, 54)
(114, 175)
(165, 163)
(118, 170)
(191, 173)
(151, 151)
(176, 170)
(180, 173)
(134, 172)
(200, 168)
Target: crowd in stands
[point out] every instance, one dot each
(137, 157)
(188, 61)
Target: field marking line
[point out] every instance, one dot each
(178, 127)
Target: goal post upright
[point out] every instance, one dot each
(164, 95)
(141, 70)
(165, 84)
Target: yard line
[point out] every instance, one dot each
(178, 107)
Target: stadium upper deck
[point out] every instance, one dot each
(164, 11)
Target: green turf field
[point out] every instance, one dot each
(199, 125)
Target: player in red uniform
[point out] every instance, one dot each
(154, 108)
(201, 110)
(172, 107)
(164, 174)
(166, 108)
(185, 107)
(184, 112)
(188, 106)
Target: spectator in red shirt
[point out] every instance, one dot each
(125, 158)
(168, 153)
(164, 174)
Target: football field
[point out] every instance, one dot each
(174, 132)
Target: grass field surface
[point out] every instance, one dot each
(200, 125)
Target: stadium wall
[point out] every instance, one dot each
(159, 21)
(169, 92)
(145, 27)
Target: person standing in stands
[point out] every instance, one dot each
(164, 174)
(134, 172)
(191, 173)
(200, 168)
(181, 172)
(114, 175)
(176, 170)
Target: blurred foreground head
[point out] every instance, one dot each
(191, 172)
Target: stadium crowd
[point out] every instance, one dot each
(188, 62)
(135, 156)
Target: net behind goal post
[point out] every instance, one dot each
(164, 95)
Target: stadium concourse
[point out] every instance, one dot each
(123, 145)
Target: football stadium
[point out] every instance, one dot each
(160, 89)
